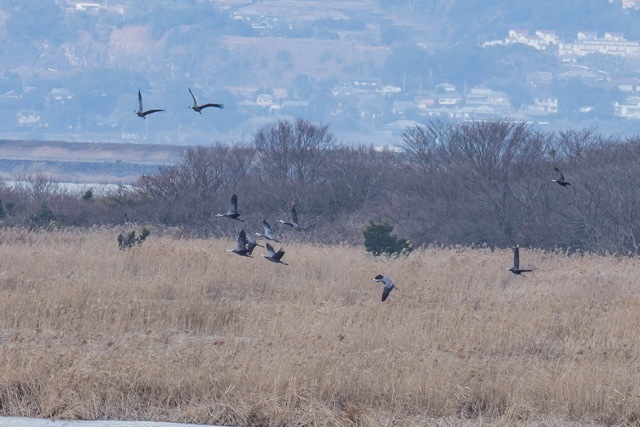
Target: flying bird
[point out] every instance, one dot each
(251, 245)
(141, 112)
(273, 255)
(243, 248)
(293, 219)
(388, 285)
(198, 108)
(268, 233)
(560, 181)
(516, 263)
(233, 209)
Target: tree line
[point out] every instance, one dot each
(474, 183)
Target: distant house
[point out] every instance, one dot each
(445, 88)
(449, 101)
(84, 7)
(629, 108)
(58, 95)
(543, 105)
(366, 83)
(425, 103)
(588, 42)
(548, 104)
(582, 74)
(28, 118)
(389, 90)
(540, 40)
(480, 95)
(628, 85)
(264, 100)
(547, 37)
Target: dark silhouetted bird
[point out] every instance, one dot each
(198, 108)
(141, 112)
(516, 263)
(268, 233)
(293, 219)
(233, 209)
(560, 181)
(273, 255)
(243, 248)
(388, 285)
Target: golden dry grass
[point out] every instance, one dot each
(179, 330)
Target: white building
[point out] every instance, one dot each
(588, 42)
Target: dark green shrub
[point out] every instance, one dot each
(378, 239)
(87, 196)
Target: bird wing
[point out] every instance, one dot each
(221, 106)
(139, 101)
(561, 175)
(251, 245)
(233, 205)
(272, 253)
(516, 258)
(278, 255)
(293, 214)
(195, 103)
(267, 229)
(386, 292)
(150, 111)
(242, 240)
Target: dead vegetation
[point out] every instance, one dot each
(178, 330)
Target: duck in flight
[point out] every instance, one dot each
(560, 181)
(388, 285)
(293, 219)
(141, 112)
(232, 212)
(268, 233)
(273, 255)
(198, 108)
(516, 263)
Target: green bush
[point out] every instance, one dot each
(378, 239)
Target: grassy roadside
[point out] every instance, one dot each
(179, 330)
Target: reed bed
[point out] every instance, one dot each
(179, 330)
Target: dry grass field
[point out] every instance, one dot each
(179, 330)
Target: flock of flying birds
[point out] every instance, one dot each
(246, 245)
(196, 107)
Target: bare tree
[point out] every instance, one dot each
(492, 153)
(185, 191)
(293, 151)
(431, 146)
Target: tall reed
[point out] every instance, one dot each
(180, 330)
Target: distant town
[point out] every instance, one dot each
(370, 73)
